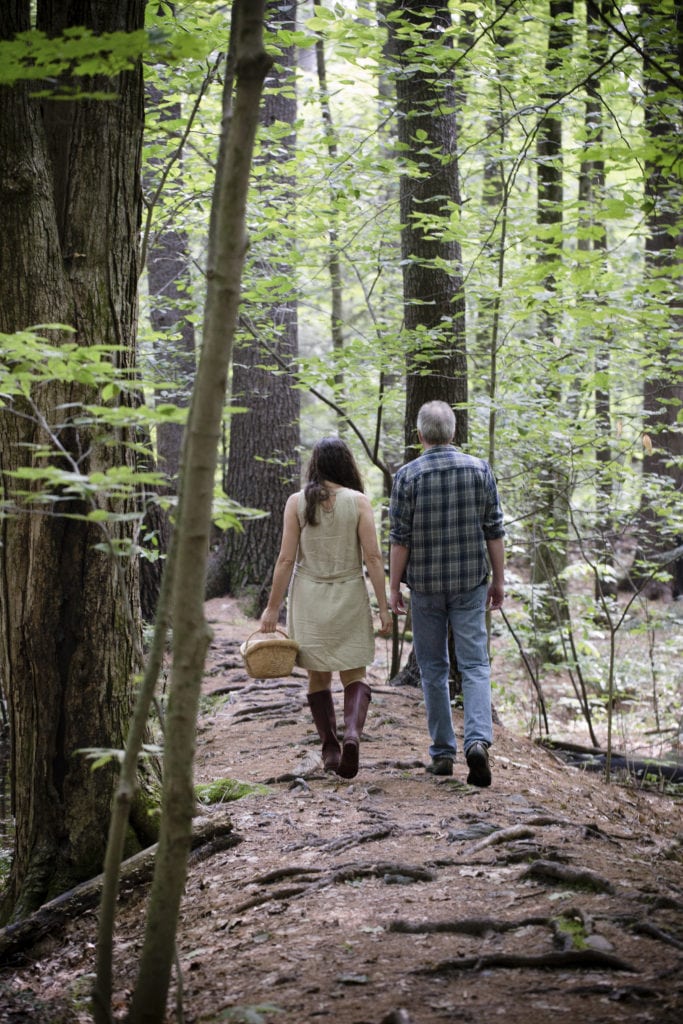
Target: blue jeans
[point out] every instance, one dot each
(431, 614)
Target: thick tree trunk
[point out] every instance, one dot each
(70, 202)
(433, 297)
(662, 28)
(433, 293)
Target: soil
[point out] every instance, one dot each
(395, 897)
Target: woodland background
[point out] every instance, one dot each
(478, 202)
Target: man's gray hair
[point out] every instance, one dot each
(436, 422)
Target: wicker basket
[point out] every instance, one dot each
(270, 656)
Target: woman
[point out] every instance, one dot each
(328, 532)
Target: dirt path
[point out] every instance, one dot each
(399, 898)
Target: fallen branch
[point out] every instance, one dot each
(467, 926)
(576, 959)
(136, 871)
(502, 835)
(594, 759)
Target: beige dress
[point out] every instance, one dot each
(328, 611)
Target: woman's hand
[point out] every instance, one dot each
(269, 621)
(387, 623)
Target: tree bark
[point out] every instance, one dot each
(549, 530)
(433, 296)
(433, 291)
(70, 211)
(662, 32)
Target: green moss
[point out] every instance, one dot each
(213, 702)
(572, 932)
(223, 790)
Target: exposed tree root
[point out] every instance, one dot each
(346, 842)
(582, 878)
(646, 928)
(390, 872)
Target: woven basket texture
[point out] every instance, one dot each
(270, 656)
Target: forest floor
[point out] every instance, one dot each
(395, 897)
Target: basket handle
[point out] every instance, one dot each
(277, 630)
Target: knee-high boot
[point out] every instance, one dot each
(322, 709)
(356, 700)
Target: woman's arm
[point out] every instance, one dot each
(284, 566)
(372, 556)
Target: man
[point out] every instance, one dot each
(446, 536)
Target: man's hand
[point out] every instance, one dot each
(495, 596)
(396, 602)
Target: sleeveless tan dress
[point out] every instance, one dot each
(328, 610)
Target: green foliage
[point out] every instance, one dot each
(79, 53)
(39, 357)
(101, 756)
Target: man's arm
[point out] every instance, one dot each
(496, 591)
(398, 559)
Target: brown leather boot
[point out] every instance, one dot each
(322, 709)
(356, 700)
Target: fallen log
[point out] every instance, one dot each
(575, 959)
(137, 870)
(595, 759)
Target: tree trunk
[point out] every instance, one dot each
(549, 536)
(593, 239)
(433, 296)
(263, 463)
(167, 259)
(661, 530)
(191, 635)
(70, 210)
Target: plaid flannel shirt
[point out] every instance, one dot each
(444, 507)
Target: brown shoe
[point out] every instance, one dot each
(440, 766)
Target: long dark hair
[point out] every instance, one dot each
(331, 459)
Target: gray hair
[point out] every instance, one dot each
(436, 422)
